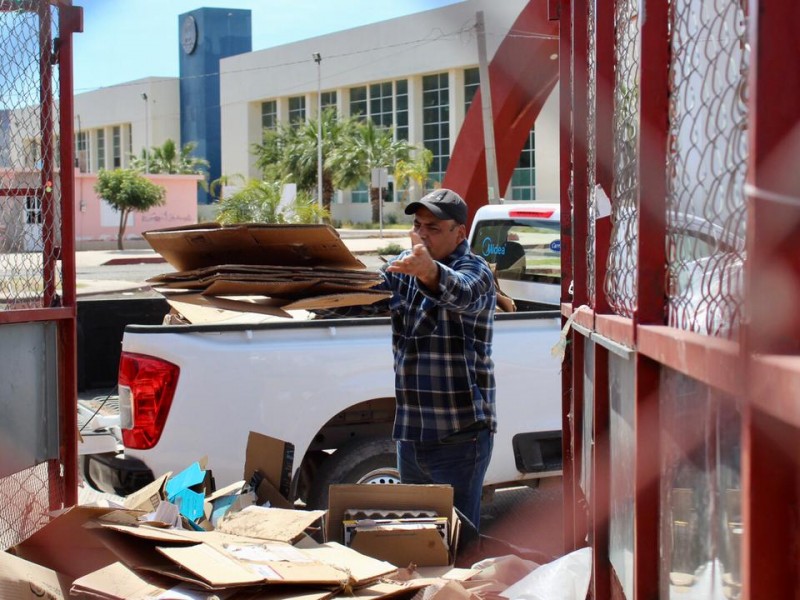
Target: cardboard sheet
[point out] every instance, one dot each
(270, 523)
(208, 244)
(24, 580)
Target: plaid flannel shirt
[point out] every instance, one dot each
(442, 344)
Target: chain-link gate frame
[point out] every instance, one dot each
(690, 344)
(37, 289)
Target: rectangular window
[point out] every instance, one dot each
(129, 133)
(101, 149)
(380, 103)
(436, 125)
(523, 180)
(81, 155)
(401, 109)
(33, 210)
(297, 109)
(360, 194)
(328, 100)
(116, 146)
(358, 102)
(269, 114)
(472, 81)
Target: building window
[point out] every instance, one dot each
(360, 194)
(81, 155)
(472, 81)
(358, 102)
(436, 125)
(116, 146)
(401, 109)
(129, 134)
(297, 109)
(101, 149)
(269, 114)
(523, 180)
(33, 210)
(380, 103)
(328, 100)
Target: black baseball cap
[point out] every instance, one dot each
(444, 204)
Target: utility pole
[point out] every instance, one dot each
(318, 59)
(146, 133)
(492, 181)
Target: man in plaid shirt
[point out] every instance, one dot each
(442, 311)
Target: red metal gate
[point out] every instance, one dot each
(38, 430)
(680, 137)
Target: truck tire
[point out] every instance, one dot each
(369, 460)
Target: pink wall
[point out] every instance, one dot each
(97, 227)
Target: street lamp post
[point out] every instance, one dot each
(318, 59)
(146, 133)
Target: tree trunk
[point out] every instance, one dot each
(327, 194)
(376, 209)
(123, 219)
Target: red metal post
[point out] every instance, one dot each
(651, 284)
(580, 235)
(567, 266)
(70, 21)
(604, 139)
(771, 451)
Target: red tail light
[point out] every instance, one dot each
(531, 214)
(146, 388)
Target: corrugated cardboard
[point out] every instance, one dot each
(219, 561)
(272, 459)
(270, 523)
(400, 547)
(209, 244)
(65, 546)
(23, 580)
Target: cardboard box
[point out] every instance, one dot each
(401, 545)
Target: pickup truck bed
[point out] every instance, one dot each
(325, 385)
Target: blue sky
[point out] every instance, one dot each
(123, 40)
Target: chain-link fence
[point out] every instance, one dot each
(29, 169)
(591, 149)
(706, 166)
(31, 477)
(620, 284)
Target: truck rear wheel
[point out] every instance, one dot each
(369, 460)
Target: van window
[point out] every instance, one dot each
(523, 249)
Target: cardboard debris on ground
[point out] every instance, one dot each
(288, 267)
(247, 551)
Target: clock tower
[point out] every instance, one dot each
(205, 36)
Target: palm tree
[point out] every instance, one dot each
(366, 146)
(167, 159)
(260, 202)
(412, 171)
(290, 152)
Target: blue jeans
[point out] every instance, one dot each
(461, 464)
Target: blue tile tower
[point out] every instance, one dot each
(205, 36)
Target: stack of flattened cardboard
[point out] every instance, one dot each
(262, 268)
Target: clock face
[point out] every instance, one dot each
(189, 34)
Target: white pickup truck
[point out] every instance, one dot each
(326, 386)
